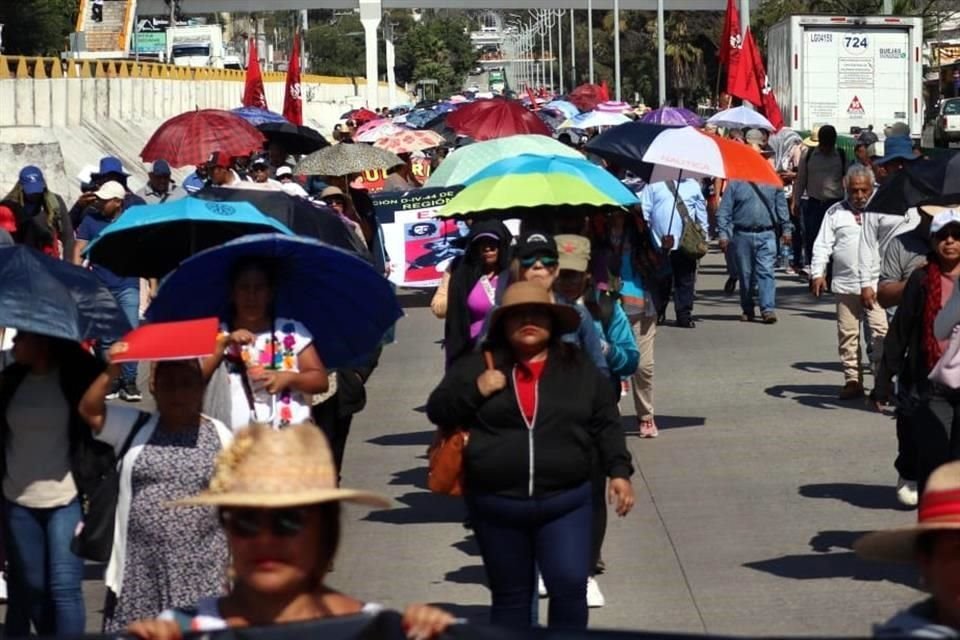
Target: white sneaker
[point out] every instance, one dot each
(907, 492)
(541, 588)
(595, 597)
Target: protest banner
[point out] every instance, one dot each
(420, 245)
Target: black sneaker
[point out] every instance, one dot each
(130, 393)
(114, 391)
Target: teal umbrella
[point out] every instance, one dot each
(149, 241)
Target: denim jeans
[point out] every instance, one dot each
(45, 576)
(129, 301)
(756, 254)
(518, 535)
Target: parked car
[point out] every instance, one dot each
(946, 126)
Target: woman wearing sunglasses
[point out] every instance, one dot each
(467, 292)
(279, 505)
(918, 335)
(158, 561)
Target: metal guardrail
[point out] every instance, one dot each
(26, 67)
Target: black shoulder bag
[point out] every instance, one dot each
(94, 541)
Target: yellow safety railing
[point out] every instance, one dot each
(22, 67)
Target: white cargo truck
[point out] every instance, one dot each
(850, 72)
(196, 46)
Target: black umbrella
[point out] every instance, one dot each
(301, 216)
(295, 139)
(625, 144)
(55, 298)
(933, 180)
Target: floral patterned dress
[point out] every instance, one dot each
(279, 351)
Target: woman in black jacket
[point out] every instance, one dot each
(49, 461)
(534, 419)
(912, 348)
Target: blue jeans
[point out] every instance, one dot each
(519, 535)
(129, 301)
(45, 576)
(756, 254)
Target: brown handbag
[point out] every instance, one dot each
(446, 456)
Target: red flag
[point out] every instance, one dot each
(292, 99)
(253, 93)
(767, 104)
(741, 79)
(170, 341)
(604, 91)
(731, 40)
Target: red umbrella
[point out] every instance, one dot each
(496, 118)
(586, 97)
(361, 116)
(189, 138)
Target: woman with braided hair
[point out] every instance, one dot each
(918, 336)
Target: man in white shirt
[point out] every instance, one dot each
(288, 184)
(839, 238)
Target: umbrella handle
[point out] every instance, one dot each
(256, 419)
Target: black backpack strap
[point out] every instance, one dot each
(141, 420)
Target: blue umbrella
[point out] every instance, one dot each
(257, 116)
(600, 178)
(566, 108)
(149, 241)
(420, 118)
(55, 298)
(343, 301)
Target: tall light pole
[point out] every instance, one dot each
(573, 53)
(560, 45)
(548, 27)
(616, 48)
(661, 57)
(590, 36)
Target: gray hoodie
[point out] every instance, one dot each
(915, 622)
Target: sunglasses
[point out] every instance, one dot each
(248, 523)
(547, 261)
(952, 231)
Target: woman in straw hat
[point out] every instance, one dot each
(278, 502)
(933, 544)
(158, 561)
(535, 413)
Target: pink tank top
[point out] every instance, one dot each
(479, 303)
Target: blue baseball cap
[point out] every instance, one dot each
(31, 180)
(111, 164)
(897, 148)
(160, 168)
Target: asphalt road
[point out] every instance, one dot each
(748, 502)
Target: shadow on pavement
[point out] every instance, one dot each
(469, 574)
(476, 613)
(414, 298)
(817, 367)
(411, 439)
(416, 477)
(724, 317)
(818, 396)
(630, 426)
(824, 565)
(468, 546)
(422, 508)
(865, 496)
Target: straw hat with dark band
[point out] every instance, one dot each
(530, 295)
(939, 511)
(269, 469)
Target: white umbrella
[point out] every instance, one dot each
(593, 119)
(740, 118)
(688, 152)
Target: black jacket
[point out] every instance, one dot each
(903, 353)
(575, 417)
(89, 458)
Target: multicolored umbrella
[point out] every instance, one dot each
(376, 129)
(673, 116)
(345, 159)
(469, 160)
(699, 155)
(189, 138)
(507, 193)
(496, 118)
(595, 119)
(740, 118)
(257, 116)
(613, 106)
(566, 108)
(410, 141)
(625, 145)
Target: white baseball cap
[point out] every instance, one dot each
(111, 190)
(942, 219)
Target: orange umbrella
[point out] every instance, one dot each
(410, 141)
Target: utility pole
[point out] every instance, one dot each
(590, 36)
(616, 48)
(661, 57)
(560, 46)
(548, 26)
(573, 53)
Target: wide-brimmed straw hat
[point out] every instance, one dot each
(522, 295)
(939, 511)
(269, 469)
(813, 139)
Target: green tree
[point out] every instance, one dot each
(438, 47)
(337, 47)
(36, 27)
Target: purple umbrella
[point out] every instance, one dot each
(673, 116)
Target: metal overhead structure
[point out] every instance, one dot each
(371, 15)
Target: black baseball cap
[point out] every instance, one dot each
(536, 243)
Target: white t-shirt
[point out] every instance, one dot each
(289, 407)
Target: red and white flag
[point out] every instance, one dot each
(253, 93)
(731, 40)
(292, 97)
(753, 83)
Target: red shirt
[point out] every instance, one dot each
(526, 375)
